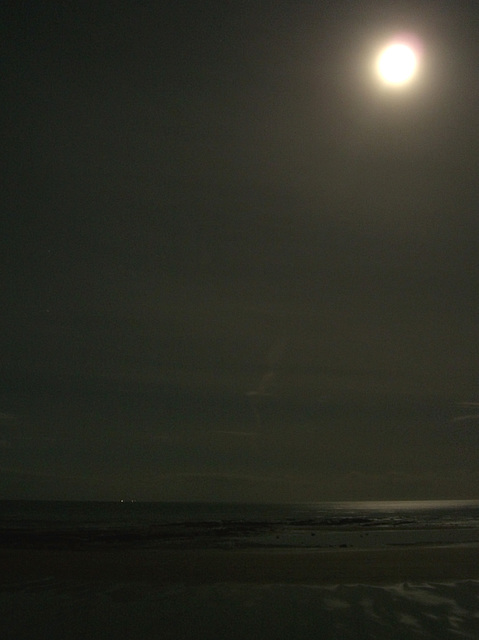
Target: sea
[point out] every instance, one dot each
(237, 525)
(53, 608)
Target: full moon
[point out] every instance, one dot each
(397, 64)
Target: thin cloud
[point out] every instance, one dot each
(472, 416)
(8, 418)
(247, 434)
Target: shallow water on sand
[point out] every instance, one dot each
(52, 610)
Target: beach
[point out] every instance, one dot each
(207, 566)
(201, 572)
(346, 594)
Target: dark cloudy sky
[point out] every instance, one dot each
(235, 266)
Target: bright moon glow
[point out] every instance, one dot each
(397, 64)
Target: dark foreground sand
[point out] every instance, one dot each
(207, 566)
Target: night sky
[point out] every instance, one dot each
(235, 265)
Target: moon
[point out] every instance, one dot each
(397, 64)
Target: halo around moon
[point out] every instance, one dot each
(397, 64)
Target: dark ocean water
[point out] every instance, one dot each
(218, 524)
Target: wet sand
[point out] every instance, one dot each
(208, 566)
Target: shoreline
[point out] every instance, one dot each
(414, 564)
